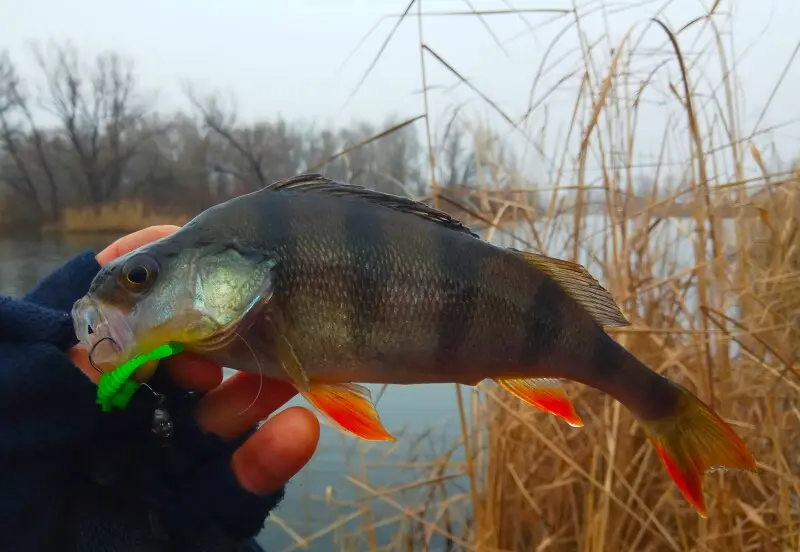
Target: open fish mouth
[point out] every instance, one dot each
(103, 331)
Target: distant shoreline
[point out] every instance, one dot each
(122, 217)
(131, 215)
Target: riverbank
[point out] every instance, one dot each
(113, 218)
(122, 217)
(481, 209)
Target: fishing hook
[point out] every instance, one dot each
(161, 425)
(91, 352)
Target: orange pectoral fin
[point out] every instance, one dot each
(349, 407)
(546, 394)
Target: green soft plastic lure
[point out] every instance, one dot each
(115, 389)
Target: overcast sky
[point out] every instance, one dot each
(290, 57)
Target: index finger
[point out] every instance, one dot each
(188, 371)
(193, 372)
(128, 243)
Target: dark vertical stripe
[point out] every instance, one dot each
(366, 243)
(511, 286)
(277, 218)
(544, 323)
(459, 275)
(614, 370)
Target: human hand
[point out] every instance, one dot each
(273, 454)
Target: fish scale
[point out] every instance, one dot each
(328, 286)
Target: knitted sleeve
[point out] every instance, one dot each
(55, 441)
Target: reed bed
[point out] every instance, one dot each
(121, 218)
(519, 480)
(713, 296)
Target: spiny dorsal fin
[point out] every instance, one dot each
(317, 183)
(581, 286)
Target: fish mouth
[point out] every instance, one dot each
(104, 331)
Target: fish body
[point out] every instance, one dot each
(326, 285)
(378, 296)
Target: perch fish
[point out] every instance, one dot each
(327, 285)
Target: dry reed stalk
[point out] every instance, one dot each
(534, 483)
(121, 217)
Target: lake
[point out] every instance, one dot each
(424, 418)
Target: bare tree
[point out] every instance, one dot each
(24, 145)
(456, 164)
(388, 159)
(99, 141)
(222, 123)
(101, 116)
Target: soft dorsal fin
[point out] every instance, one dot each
(317, 183)
(576, 281)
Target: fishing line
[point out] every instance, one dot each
(161, 425)
(380, 393)
(260, 374)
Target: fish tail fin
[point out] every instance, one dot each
(693, 440)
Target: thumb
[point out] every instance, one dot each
(80, 358)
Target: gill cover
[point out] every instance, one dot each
(200, 297)
(205, 296)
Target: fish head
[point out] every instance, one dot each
(199, 295)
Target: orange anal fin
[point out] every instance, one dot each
(546, 394)
(691, 442)
(349, 407)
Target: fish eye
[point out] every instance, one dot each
(139, 272)
(138, 275)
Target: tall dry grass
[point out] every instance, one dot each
(118, 217)
(714, 301)
(602, 487)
